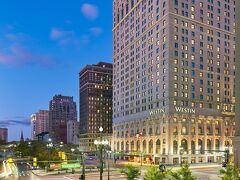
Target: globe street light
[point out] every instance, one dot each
(49, 145)
(101, 144)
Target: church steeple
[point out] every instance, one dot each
(21, 138)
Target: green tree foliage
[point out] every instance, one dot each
(182, 174)
(131, 172)
(153, 173)
(38, 150)
(230, 173)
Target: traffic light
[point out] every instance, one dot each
(60, 154)
(34, 161)
(63, 156)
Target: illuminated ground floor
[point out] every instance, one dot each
(174, 139)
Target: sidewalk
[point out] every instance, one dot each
(69, 171)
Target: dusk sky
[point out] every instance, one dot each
(43, 46)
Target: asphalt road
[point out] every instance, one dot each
(208, 173)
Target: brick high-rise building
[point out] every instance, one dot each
(4, 134)
(61, 110)
(95, 103)
(39, 123)
(173, 80)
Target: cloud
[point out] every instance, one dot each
(96, 31)
(17, 55)
(90, 11)
(57, 33)
(24, 121)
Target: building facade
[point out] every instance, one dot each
(61, 110)
(73, 132)
(173, 80)
(4, 134)
(39, 123)
(95, 103)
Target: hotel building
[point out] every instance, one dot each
(95, 103)
(173, 79)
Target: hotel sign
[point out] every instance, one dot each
(157, 111)
(177, 109)
(185, 110)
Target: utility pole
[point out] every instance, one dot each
(236, 140)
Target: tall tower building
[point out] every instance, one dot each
(4, 134)
(39, 123)
(95, 103)
(61, 110)
(173, 80)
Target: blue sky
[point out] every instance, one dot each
(43, 46)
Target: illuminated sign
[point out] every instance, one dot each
(185, 110)
(69, 166)
(157, 111)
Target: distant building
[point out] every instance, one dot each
(4, 134)
(21, 137)
(95, 103)
(61, 110)
(72, 132)
(39, 123)
(44, 136)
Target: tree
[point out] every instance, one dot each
(183, 174)
(230, 173)
(154, 173)
(131, 172)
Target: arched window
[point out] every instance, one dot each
(184, 130)
(150, 131)
(144, 132)
(184, 145)
(150, 146)
(193, 147)
(158, 146)
(217, 144)
(127, 146)
(138, 145)
(144, 146)
(122, 146)
(200, 146)
(132, 146)
(209, 145)
(175, 147)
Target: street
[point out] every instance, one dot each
(21, 171)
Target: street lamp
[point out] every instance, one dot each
(49, 145)
(101, 144)
(109, 156)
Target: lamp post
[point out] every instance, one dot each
(49, 145)
(82, 177)
(101, 145)
(109, 156)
